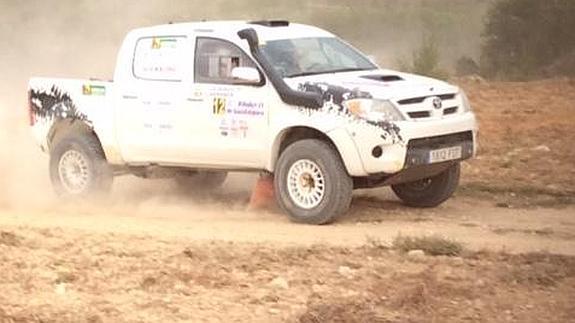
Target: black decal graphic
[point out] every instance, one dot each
(333, 97)
(335, 94)
(54, 104)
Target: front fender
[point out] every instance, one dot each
(339, 138)
(348, 151)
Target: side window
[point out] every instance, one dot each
(215, 59)
(159, 58)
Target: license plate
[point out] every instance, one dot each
(443, 154)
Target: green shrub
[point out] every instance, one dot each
(425, 61)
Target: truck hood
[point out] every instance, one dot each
(380, 84)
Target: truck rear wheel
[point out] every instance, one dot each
(429, 192)
(311, 183)
(78, 167)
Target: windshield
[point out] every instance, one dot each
(308, 56)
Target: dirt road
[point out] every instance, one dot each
(157, 208)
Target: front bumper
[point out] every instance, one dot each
(418, 150)
(419, 138)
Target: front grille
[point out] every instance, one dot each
(418, 149)
(439, 141)
(420, 108)
(450, 110)
(421, 98)
(419, 114)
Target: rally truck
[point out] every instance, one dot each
(194, 101)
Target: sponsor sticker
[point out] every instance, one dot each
(233, 128)
(219, 106)
(88, 89)
(248, 108)
(226, 106)
(160, 42)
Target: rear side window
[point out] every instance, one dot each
(215, 59)
(159, 58)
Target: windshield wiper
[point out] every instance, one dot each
(340, 70)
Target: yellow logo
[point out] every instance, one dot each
(86, 89)
(219, 106)
(156, 43)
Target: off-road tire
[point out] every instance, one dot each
(201, 180)
(429, 192)
(99, 173)
(338, 184)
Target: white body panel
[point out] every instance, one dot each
(181, 122)
(93, 100)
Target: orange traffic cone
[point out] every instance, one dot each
(263, 193)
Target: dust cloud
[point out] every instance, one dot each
(79, 39)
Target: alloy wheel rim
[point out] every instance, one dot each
(306, 184)
(73, 171)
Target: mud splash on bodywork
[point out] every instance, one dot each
(54, 104)
(333, 97)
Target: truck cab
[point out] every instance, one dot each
(197, 100)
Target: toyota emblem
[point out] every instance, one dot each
(437, 102)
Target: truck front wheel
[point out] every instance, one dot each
(311, 183)
(429, 192)
(78, 167)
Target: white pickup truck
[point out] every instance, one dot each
(197, 100)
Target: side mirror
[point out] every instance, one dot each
(246, 74)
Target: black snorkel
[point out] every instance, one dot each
(286, 93)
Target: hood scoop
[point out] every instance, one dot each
(383, 78)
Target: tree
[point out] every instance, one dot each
(523, 37)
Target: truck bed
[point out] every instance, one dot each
(55, 99)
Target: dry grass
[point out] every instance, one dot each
(539, 268)
(431, 245)
(340, 310)
(9, 239)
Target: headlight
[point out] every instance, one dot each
(377, 110)
(465, 101)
